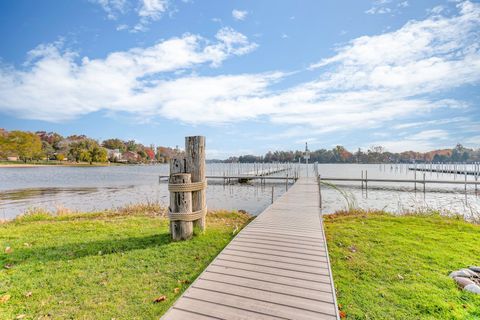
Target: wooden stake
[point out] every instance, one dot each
(366, 179)
(415, 178)
(320, 189)
(424, 183)
(362, 182)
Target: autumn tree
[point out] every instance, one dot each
(25, 145)
(114, 144)
(87, 150)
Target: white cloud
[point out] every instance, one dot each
(473, 141)
(430, 135)
(422, 141)
(437, 9)
(152, 9)
(371, 82)
(379, 7)
(374, 80)
(146, 10)
(387, 6)
(430, 122)
(55, 85)
(122, 27)
(378, 10)
(113, 8)
(239, 14)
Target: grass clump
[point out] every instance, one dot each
(104, 265)
(396, 267)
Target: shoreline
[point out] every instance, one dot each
(33, 165)
(69, 164)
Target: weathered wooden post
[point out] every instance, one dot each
(187, 186)
(180, 201)
(195, 164)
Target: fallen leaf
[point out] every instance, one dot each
(8, 250)
(342, 314)
(160, 299)
(8, 266)
(400, 277)
(28, 245)
(5, 298)
(176, 290)
(21, 316)
(28, 294)
(352, 248)
(183, 281)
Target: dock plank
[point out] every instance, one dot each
(276, 268)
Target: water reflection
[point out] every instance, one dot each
(33, 193)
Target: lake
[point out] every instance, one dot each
(98, 188)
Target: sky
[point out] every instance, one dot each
(251, 76)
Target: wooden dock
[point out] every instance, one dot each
(275, 268)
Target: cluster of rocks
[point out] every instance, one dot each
(468, 279)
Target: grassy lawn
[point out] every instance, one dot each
(388, 267)
(101, 266)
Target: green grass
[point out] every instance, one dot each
(396, 267)
(102, 266)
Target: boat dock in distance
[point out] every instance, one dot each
(277, 267)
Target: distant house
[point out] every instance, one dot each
(130, 156)
(114, 154)
(12, 158)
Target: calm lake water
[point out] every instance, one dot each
(96, 188)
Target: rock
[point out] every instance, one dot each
(465, 273)
(472, 288)
(462, 282)
(458, 273)
(475, 268)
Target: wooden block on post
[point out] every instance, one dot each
(195, 165)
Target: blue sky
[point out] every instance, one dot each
(252, 76)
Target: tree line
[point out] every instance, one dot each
(34, 146)
(374, 154)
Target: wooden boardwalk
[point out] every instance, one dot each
(276, 268)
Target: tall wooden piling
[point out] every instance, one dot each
(195, 164)
(187, 186)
